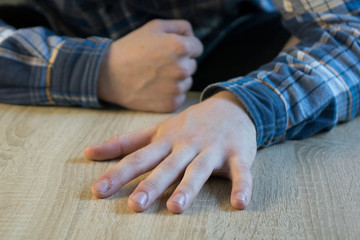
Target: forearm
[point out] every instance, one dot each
(40, 68)
(310, 87)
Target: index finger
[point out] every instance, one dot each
(181, 27)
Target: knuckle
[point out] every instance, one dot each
(182, 72)
(194, 66)
(188, 83)
(176, 89)
(192, 140)
(244, 169)
(137, 161)
(180, 46)
(187, 189)
(171, 164)
(246, 185)
(187, 24)
(149, 186)
(155, 23)
(245, 177)
(200, 164)
(182, 87)
(137, 157)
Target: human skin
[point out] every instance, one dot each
(150, 69)
(214, 137)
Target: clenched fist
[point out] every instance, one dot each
(150, 69)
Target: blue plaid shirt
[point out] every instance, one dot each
(305, 89)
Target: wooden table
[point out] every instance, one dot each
(307, 189)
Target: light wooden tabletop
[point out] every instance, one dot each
(307, 189)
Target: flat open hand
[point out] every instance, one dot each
(215, 136)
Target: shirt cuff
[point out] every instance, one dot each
(264, 105)
(72, 77)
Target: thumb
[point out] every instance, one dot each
(120, 145)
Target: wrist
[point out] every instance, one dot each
(230, 100)
(103, 78)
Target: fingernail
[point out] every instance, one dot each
(140, 198)
(242, 197)
(179, 199)
(102, 186)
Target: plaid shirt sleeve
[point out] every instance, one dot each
(39, 68)
(312, 86)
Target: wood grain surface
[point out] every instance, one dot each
(306, 189)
